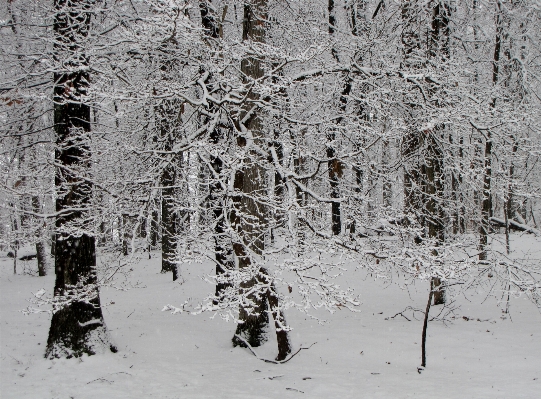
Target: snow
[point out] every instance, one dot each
(90, 322)
(367, 354)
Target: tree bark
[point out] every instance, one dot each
(41, 253)
(222, 242)
(78, 327)
(333, 164)
(167, 113)
(486, 206)
(249, 216)
(439, 48)
(425, 327)
(414, 169)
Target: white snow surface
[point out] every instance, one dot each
(356, 355)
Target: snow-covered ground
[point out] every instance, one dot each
(355, 355)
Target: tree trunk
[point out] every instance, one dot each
(333, 164)
(126, 236)
(249, 216)
(15, 230)
(168, 111)
(423, 169)
(41, 253)
(387, 188)
(53, 245)
(359, 24)
(168, 224)
(222, 242)
(439, 48)
(78, 327)
(425, 327)
(486, 207)
(413, 140)
(154, 229)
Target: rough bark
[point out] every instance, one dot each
(439, 49)
(167, 113)
(412, 141)
(424, 168)
(222, 242)
(252, 226)
(41, 253)
(486, 206)
(126, 234)
(333, 164)
(78, 327)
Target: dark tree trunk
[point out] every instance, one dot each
(387, 188)
(126, 235)
(168, 223)
(333, 164)
(142, 227)
(168, 116)
(359, 24)
(53, 245)
(299, 165)
(154, 228)
(486, 206)
(168, 111)
(439, 48)
(425, 327)
(103, 233)
(424, 168)
(15, 242)
(434, 203)
(412, 141)
(222, 242)
(41, 253)
(78, 327)
(251, 220)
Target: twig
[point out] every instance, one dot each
(293, 389)
(268, 360)
(401, 314)
(99, 379)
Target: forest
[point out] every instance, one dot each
(252, 198)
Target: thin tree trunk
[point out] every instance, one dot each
(414, 170)
(41, 253)
(439, 47)
(14, 229)
(486, 207)
(154, 229)
(333, 164)
(53, 245)
(425, 326)
(387, 188)
(357, 12)
(126, 230)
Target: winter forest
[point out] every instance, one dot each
(270, 198)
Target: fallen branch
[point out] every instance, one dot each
(268, 360)
(514, 225)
